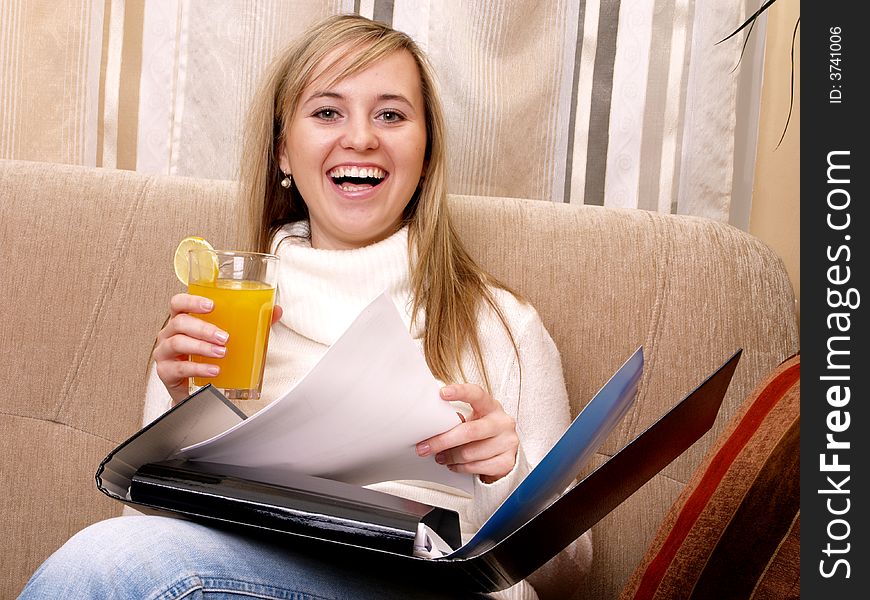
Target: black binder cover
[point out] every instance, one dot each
(511, 559)
(307, 505)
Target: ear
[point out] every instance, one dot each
(283, 161)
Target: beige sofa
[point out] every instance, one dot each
(86, 277)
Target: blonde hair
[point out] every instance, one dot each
(445, 282)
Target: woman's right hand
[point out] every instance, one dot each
(185, 335)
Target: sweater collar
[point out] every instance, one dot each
(323, 291)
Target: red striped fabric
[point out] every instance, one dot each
(772, 391)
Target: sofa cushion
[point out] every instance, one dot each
(735, 528)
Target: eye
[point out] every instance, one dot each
(326, 114)
(391, 116)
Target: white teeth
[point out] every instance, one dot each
(354, 171)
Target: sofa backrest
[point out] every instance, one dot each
(87, 276)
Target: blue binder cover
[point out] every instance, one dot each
(557, 470)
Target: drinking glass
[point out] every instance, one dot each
(242, 287)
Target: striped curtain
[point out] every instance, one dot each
(627, 103)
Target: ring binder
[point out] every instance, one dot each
(136, 473)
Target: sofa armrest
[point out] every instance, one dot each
(87, 276)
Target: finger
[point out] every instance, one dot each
(490, 470)
(277, 313)
(173, 372)
(481, 450)
(463, 434)
(183, 346)
(487, 420)
(460, 435)
(188, 325)
(481, 402)
(188, 303)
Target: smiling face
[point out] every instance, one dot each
(356, 151)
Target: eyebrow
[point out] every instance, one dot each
(337, 96)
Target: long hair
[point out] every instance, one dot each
(446, 284)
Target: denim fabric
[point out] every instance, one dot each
(160, 558)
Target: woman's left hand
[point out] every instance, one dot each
(485, 444)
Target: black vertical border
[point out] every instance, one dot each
(834, 259)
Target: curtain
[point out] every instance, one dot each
(626, 103)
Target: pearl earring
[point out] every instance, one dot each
(285, 183)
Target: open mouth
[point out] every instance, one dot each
(354, 179)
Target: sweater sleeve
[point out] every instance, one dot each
(531, 389)
(157, 398)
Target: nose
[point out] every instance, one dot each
(359, 135)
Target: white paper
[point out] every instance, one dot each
(355, 417)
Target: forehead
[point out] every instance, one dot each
(396, 69)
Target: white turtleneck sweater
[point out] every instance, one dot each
(322, 292)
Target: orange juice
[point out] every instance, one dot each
(244, 310)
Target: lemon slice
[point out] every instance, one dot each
(181, 260)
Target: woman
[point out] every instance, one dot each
(343, 173)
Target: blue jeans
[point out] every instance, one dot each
(160, 558)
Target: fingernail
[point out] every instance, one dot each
(448, 391)
(213, 370)
(219, 351)
(440, 459)
(206, 304)
(423, 449)
(222, 336)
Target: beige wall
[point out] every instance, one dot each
(775, 216)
